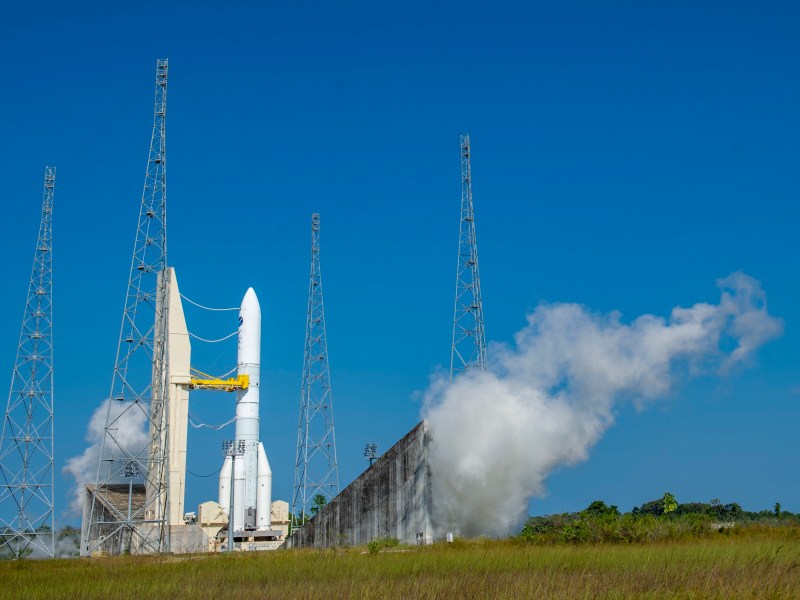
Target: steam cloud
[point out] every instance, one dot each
(131, 435)
(63, 547)
(548, 398)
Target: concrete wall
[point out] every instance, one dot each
(187, 539)
(390, 499)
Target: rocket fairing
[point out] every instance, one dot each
(252, 476)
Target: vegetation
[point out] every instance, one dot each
(319, 502)
(379, 544)
(657, 520)
(660, 550)
(761, 563)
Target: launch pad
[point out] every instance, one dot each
(136, 501)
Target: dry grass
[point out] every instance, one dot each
(758, 564)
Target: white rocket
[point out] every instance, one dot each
(252, 476)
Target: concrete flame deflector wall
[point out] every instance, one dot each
(392, 499)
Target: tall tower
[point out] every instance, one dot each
(316, 470)
(128, 505)
(469, 343)
(26, 446)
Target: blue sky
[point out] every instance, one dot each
(624, 157)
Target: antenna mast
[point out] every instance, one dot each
(128, 505)
(316, 470)
(469, 343)
(26, 446)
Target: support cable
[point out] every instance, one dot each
(190, 301)
(209, 376)
(80, 149)
(207, 426)
(209, 475)
(231, 372)
(222, 339)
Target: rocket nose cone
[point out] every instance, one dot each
(250, 304)
(250, 330)
(250, 298)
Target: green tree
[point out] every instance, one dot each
(778, 509)
(600, 508)
(653, 507)
(668, 503)
(319, 502)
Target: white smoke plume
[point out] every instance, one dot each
(131, 435)
(549, 397)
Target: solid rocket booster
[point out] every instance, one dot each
(252, 476)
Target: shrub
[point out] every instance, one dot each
(379, 544)
(580, 528)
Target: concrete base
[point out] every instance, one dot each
(187, 539)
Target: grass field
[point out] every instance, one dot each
(761, 563)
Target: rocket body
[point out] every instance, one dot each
(252, 476)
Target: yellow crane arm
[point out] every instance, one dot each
(240, 382)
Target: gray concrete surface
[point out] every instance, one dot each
(391, 499)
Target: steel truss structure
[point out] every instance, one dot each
(26, 446)
(316, 470)
(469, 341)
(123, 516)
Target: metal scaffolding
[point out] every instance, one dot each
(26, 446)
(316, 475)
(128, 505)
(469, 342)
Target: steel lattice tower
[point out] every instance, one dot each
(138, 387)
(469, 343)
(26, 446)
(316, 470)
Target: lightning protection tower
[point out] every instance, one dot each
(469, 343)
(316, 471)
(26, 446)
(128, 505)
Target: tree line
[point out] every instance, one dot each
(663, 518)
